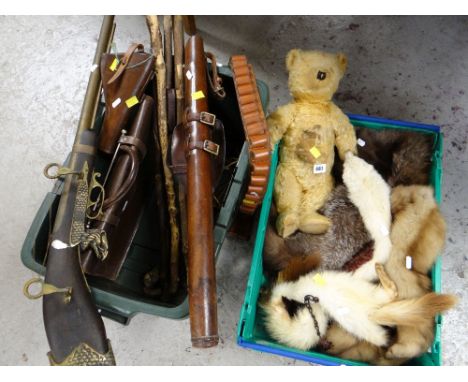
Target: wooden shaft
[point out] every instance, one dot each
(179, 66)
(201, 259)
(160, 69)
(167, 24)
(189, 25)
(180, 107)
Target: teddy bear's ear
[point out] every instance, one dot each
(291, 57)
(342, 61)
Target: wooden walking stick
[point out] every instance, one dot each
(160, 69)
(189, 25)
(169, 62)
(179, 42)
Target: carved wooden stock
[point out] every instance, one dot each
(74, 328)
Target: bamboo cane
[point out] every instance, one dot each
(160, 69)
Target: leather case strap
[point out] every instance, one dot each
(125, 194)
(123, 63)
(182, 144)
(256, 132)
(121, 84)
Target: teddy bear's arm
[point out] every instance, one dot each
(345, 136)
(278, 122)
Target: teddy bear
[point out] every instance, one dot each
(310, 127)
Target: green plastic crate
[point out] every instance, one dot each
(122, 299)
(251, 333)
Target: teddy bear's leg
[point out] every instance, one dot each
(310, 221)
(288, 194)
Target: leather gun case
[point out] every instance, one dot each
(122, 298)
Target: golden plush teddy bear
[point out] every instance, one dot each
(310, 127)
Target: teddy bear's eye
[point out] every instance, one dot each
(321, 75)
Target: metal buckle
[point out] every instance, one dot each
(211, 147)
(207, 118)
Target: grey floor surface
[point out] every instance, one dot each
(408, 68)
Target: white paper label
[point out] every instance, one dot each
(116, 103)
(409, 262)
(94, 67)
(189, 75)
(361, 142)
(320, 168)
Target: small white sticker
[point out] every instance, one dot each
(59, 244)
(384, 230)
(94, 67)
(320, 168)
(361, 142)
(409, 262)
(189, 75)
(116, 103)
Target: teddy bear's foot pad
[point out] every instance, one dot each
(287, 223)
(315, 224)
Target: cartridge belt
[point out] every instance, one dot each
(256, 133)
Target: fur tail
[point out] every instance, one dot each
(414, 312)
(299, 266)
(275, 254)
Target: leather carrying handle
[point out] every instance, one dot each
(125, 60)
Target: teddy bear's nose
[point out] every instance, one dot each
(321, 75)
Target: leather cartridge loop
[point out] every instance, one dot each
(130, 180)
(125, 60)
(256, 133)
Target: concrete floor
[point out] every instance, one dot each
(408, 68)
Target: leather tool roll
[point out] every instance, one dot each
(125, 196)
(120, 83)
(200, 152)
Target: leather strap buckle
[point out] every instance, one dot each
(207, 118)
(211, 147)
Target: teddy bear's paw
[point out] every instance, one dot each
(403, 350)
(287, 223)
(314, 223)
